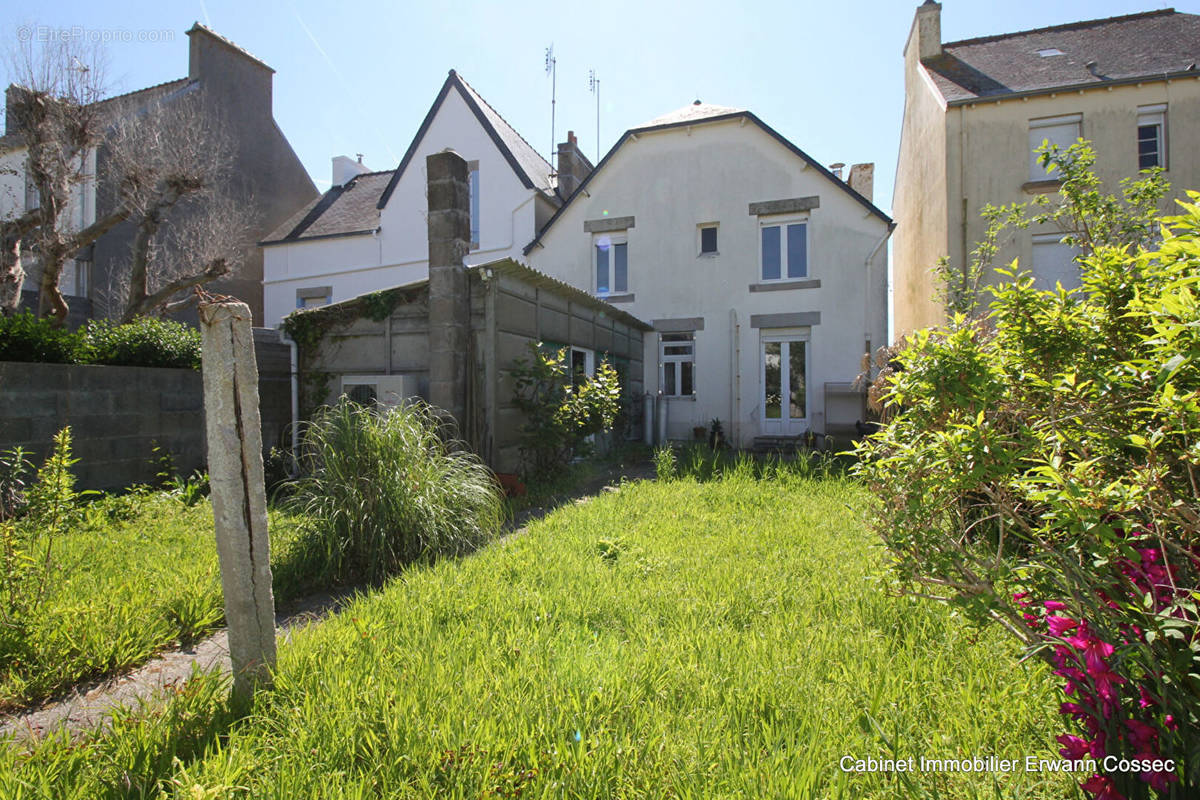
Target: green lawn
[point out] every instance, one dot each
(682, 639)
(134, 575)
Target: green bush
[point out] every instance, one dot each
(145, 342)
(24, 337)
(384, 489)
(561, 410)
(1040, 474)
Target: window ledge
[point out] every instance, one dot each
(780, 286)
(689, 397)
(713, 254)
(1041, 187)
(616, 298)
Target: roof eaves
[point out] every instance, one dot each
(1074, 87)
(468, 97)
(318, 237)
(513, 266)
(416, 140)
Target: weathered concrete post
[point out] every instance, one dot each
(449, 305)
(239, 496)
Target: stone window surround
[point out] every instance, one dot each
(313, 292)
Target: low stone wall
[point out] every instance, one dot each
(117, 414)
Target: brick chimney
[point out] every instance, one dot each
(449, 306)
(573, 166)
(862, 180)
(926, 33)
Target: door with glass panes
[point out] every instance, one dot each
(784, 382)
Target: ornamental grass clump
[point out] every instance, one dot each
(1041, 472)
(384, 489)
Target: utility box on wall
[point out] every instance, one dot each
(386, 390)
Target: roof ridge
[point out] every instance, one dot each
(500, 116)
(1063, 27)
(143, 89)
(371, 173)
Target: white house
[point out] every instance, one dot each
(763, 273)
(368, 232)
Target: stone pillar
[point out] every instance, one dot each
(449, 304)
(239, 499)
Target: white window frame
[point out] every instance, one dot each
(703, 226)
(1036, 171)
(613, 238)
(306, 293)
(476, 209)
(782, 223)
(1153, 115)
(789, 335)
(674, 360)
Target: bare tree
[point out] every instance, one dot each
(57, 122)
(190, 228)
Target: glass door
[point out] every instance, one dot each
(784, 386)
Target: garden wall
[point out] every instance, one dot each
(117, 413)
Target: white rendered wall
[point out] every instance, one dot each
(671, 182)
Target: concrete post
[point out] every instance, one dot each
(239, 497)
(449, 305)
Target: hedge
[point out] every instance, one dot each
(146, 342)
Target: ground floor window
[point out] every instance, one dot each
(677, 354)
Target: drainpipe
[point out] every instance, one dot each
(870, 288)
(293, 352)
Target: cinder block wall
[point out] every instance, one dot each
(117, 413)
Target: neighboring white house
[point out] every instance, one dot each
(368, 232)
(763, 273)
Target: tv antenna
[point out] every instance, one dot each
(594, 87)
(552, 71)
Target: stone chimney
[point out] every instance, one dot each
(926, 33)
(862, 180)
(573, 166)
(345, 168)
(449, 305)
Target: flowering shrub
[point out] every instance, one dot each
(1039, 472)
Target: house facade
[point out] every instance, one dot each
(763, 274)
(976, 110)
(368, 232)
(265, 174)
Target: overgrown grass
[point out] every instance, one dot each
(383, 488)
(136, 573)
(687, 639)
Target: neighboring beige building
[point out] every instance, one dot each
(975, 110)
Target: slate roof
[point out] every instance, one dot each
(346, 210)
(531, 169)
(1151, 45)
(690, 113)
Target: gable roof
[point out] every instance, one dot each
(531, 169)
(346, 210)
(1148, 46)
(701, 116)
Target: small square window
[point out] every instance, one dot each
(708, 240)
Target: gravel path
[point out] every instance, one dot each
(91, 705)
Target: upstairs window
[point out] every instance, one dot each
(1152, 136)
(612, 263)
(708, 240)
(677, 353)
(784, 250)
(1063, 131)
(474, 187)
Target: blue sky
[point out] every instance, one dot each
(359, 77)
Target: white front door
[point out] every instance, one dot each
(784, 381)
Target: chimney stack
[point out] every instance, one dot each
(573, 166)
(927, 31)
(836, 169)
(345, 168)
(862, 180)
(449, 306)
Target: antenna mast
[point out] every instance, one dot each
(552, 71)
(594, 86)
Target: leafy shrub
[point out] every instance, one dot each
(561, 410)
(145, 342)
(384, 489)
(1040, 473)
(24, 337)
(666, 466)
(14, 468)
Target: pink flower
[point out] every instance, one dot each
(1060, 625)
(1054, 605)
(1101, 788)
(1141, 735)
(1075, 748)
